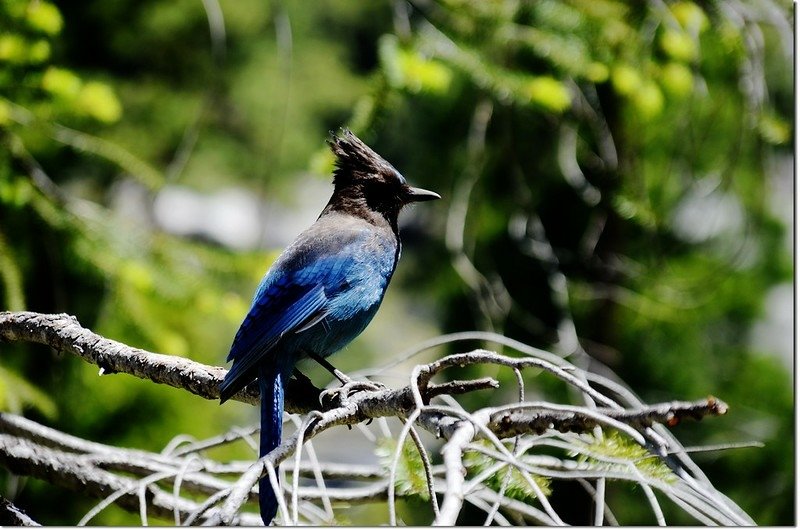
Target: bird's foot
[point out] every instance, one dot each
(339, 396)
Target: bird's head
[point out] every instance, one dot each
(363, 179)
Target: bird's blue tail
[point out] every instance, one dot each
(272, 384)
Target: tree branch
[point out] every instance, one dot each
(10, 515)
(31, 449)
(63, 333)
(530, 419)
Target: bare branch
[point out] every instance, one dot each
(525, 418)
(454, 475)
(63, 333)
(10, 515)
(27, 448)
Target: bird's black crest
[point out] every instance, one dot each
(354, 158)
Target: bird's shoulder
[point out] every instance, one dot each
(339, 237)
(334, 249)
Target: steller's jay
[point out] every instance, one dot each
(323, 290)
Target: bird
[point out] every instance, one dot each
(323, 289)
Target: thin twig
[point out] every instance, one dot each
(428, 468)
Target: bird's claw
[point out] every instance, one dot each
(349, 388)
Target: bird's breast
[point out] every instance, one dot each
(356, 293)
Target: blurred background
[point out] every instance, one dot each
(617, 182)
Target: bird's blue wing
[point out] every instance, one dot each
(280, 308)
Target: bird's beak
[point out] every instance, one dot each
(420, 195)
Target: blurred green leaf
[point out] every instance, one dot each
(774, 129)
(626, 79)
(61, 82)
(649, 100)
(98, 100)
(690, 16)
(548, 93)
(45, 17)
(13, 48)
(677, 79)
(16, 394)
(678, 45)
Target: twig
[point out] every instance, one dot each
(203, 508)
(454, 474)
(532, 418)
(234, 434)
(10, 515)
(298, 453)
(428, 468)
(395, 460)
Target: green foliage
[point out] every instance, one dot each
(409, 472)
(16, 394)
(617, 447)
(41, 91)
(11, 278)
(507, 480)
